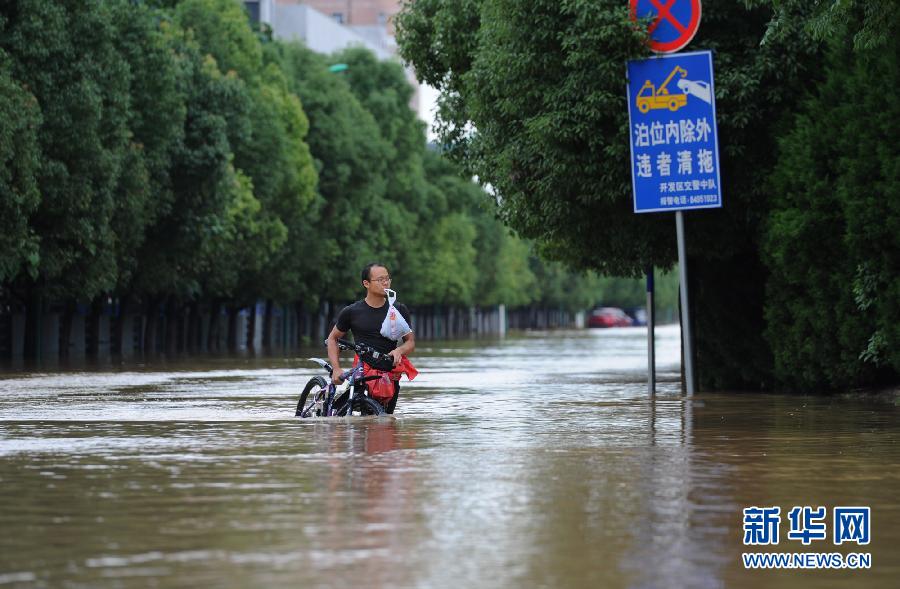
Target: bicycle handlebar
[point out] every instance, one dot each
(348, 345)
(361, 349)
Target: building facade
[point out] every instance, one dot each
(327, 26)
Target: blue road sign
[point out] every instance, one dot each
(674, 149)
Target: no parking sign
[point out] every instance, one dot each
(674, 24)
(674, 150)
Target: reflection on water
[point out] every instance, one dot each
(535, 461)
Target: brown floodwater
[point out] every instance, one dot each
(538, 460)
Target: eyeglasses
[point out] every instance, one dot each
(382, 279)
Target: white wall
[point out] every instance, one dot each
(321, 33)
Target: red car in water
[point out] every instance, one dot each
(609, 317)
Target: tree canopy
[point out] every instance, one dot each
(167, 151)
(533, 104)
(833, 238)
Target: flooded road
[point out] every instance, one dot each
(535, 461)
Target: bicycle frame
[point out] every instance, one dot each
(356, 385)
(352, 381)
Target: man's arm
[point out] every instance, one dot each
(404, 349)
(334, 354)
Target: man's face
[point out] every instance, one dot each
(379, 279)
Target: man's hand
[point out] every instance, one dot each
(404, 349)
(397, 356)
(334, 356)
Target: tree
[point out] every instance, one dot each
(221, 28)
(833, 239)
(272, 153)
(875, 21)
(445, 272)
(291, 181)
(533, 104)
(19, 162)
(190, 237)
(382, 89)
(504, 275)
(349, 154)
(66, 55)
(156, 124)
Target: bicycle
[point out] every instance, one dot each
(322, 398)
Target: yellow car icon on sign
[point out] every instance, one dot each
(650, 97)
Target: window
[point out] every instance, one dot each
(338, 17)
(252, 10)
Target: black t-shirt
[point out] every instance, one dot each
(365, 323)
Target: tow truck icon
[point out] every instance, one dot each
(650, 97)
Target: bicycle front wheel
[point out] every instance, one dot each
(312, 399)
(362, 406)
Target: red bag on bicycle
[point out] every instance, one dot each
(382, 389)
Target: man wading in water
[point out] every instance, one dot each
(365, 318)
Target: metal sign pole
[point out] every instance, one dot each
(673, 138)
(651, 334)
(685, 313)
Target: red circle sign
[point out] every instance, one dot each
(675, 22)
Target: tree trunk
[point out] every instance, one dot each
(232, 328)
(300, 309)
(33, 313)
(195, 327)
(119, 332)
(251, 328)
(93, 350)
(65, 330)
(267, 327)
(212, 336)
(173, 323)
(150, 329)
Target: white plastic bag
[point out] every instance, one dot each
(394, 326)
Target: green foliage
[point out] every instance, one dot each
(542, 86)
(273, 177)
(442, 236)
(622, 292)
(166, 150)
(19, 162)
(248, 241)
(533, 104)
(445, 273)
(559, 288)
(440, 37)
(876, 20)
(156, 123)
(615, 291)
(833, 240)
(191, 235)
(286, 180)
(221, 29)
(402, 210)
(350, 156)
(504, 275)
(66, 55)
